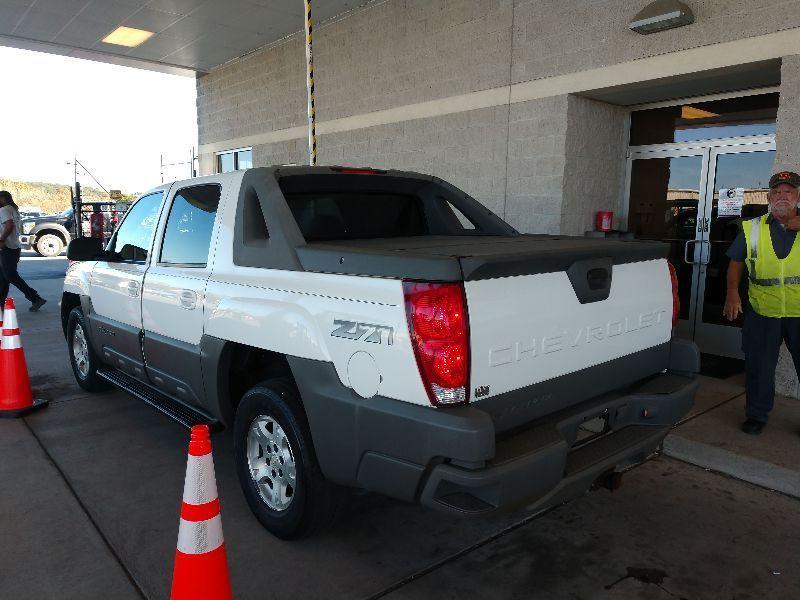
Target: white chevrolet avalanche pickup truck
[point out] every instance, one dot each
(381, 330)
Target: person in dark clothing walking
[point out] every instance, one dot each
(767, 250)
(10, 252)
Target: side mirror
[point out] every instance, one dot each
(84, 249)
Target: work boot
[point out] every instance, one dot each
(37, 304)
(753, 426)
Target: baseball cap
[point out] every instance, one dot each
(789, 177)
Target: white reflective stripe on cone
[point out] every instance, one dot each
(12, 343)
(200, 485)
(10, 319)
(199, 537)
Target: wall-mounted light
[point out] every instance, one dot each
(661, 15)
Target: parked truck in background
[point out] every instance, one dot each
(381, 330)
(48, 235)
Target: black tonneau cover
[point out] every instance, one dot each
(469, 258)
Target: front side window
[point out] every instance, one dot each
(134, 236)
(187, 237)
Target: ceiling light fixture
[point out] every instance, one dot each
(128, 36)
(661, 15)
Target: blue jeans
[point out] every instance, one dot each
(8, 274)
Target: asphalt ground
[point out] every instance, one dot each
(91, 492)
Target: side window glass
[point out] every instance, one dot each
(134, 236)
(187, 237)
(465, 222)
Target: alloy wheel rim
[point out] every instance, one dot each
(271, 463)
(50, 245)
(80, 351)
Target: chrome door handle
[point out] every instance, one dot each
(686, 252)
(133, 289)
(188, 299)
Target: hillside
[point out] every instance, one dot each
(51, 197)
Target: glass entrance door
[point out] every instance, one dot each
(739, 179)
(675, 194)
(666, 189)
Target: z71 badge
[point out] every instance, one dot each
(368, 332)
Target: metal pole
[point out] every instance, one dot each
(312, 132)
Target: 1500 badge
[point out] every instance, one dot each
(368, 332)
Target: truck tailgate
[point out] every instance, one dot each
(531, 329)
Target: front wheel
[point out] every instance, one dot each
(49, 244)
(276, 463)
(82, 357)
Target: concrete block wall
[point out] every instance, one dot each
(467, 149)
(536, 160)
(594, 172)
(787, 156)
(265, 91)
(407, 51)
(399, 53)
(554, 37)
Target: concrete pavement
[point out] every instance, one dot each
(92, 490)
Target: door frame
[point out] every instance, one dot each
(719, 339)
(709, 150)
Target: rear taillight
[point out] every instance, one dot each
(676, 302)
(439, 328)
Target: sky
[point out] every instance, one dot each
(118, 120)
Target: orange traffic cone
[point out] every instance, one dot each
(201, 565)
(16, 398)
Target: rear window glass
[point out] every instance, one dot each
(353, 215)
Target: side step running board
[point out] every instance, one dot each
(175, 410)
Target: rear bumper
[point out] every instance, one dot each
(453, 460)
(548, 474)
(25, 241)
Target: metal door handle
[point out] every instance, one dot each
(708, 255)
(133, 289)
(188, 299)
(686, 252)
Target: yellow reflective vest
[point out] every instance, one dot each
(774, 282)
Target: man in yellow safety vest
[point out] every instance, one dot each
(765, 248)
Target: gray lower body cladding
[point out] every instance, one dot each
(455, 459)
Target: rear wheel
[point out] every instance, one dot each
(276, 463)
(82, 356)
(49, 244)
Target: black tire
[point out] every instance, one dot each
(85, 376)
(49, 244)
(315, 501)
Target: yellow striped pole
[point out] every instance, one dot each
(312, 130)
